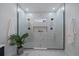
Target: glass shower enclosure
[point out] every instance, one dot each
(45, 24)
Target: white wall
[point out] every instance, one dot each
(7, 13)
(72, 42)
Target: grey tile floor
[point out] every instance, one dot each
(43, 53)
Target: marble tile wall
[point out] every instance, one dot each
(72, 29)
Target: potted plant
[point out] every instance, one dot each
(18, 41)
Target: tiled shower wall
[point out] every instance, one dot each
(8, 15)
(72, 29)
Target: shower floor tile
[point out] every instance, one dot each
(43, 53)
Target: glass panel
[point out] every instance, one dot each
(44, 22)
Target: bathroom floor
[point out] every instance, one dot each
(43, 53)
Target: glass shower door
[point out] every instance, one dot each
(49, 36)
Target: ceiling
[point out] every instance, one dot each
(40, 7)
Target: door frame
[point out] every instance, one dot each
(17, 5)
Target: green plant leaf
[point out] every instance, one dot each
(16, 39)
(24, 36)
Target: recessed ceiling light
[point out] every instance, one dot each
(50, 13)
(62, 8)
(19, 9)
(53, 8)
(27, 9)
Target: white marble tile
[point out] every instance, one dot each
(43, 53)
